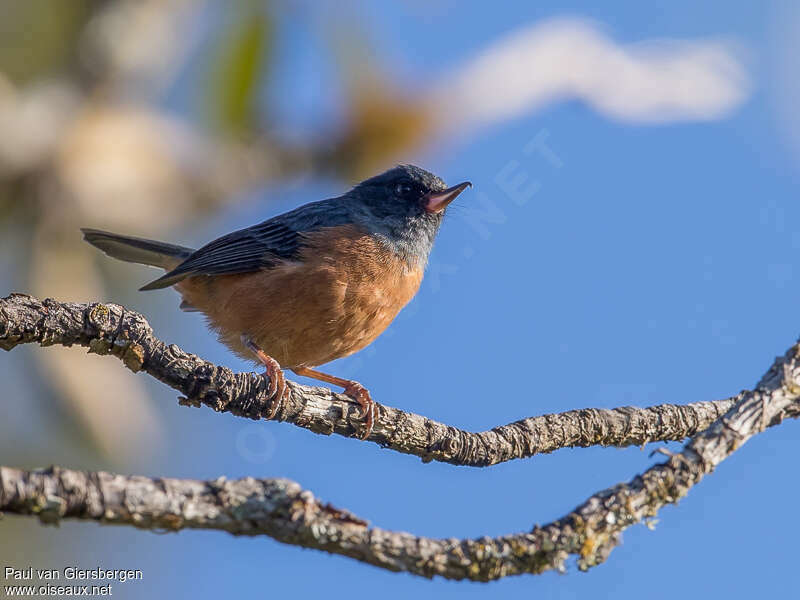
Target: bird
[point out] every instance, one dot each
(311, 285)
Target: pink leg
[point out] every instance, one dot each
(278, 392)
(353, 389)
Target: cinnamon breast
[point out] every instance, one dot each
(341, 293)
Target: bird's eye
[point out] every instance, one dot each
(402, 189)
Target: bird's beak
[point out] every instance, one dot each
(436, 202)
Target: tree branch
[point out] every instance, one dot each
(112, 329)
(283, 510)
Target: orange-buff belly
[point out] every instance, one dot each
(336, 298)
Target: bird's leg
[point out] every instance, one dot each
(277, 382)
(351, 388)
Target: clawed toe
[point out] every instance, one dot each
(278, 391)
(351, 388)
(361, 395)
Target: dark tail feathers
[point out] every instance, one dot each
(137, 250)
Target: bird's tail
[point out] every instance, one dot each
(137, 250)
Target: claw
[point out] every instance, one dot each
(351, 388)
(277, 391)
(361, 395)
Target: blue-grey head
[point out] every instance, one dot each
(404, 207)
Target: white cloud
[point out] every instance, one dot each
(564, 59)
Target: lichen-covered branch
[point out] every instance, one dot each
(283, 510)
(112, 329)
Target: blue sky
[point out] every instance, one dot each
(655, 265)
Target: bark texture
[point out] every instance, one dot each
(113, 330)
(284, 511)
(281, 509)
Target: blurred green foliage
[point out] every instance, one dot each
(40, 36)
(239, 69)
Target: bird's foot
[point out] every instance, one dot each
(351, 388)
(361, 395)
(278, 391)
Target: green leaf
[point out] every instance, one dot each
(238, 71)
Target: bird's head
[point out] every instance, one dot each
(407, 190)
(405, 205)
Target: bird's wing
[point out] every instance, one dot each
(256, 247)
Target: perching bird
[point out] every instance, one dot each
(311, 285)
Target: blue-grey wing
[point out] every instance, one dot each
(256, 247)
